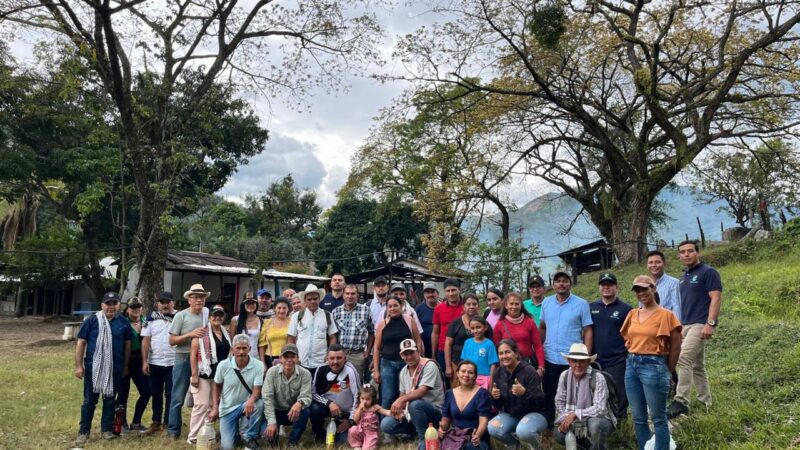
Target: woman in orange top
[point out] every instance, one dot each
(653, 337)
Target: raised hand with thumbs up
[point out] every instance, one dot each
(517, 388)
(495, 391)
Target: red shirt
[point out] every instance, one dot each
(525, 334)
(443, 314)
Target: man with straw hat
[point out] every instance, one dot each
(582, 401)
(312, 329)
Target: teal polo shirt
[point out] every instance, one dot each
(233, 393)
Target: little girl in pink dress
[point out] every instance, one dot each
(364, 434)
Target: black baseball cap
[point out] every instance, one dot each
(166, 297)
(607, 277)
(536, 279)
(111, 297)
(380, 280)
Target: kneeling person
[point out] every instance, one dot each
(335, 393)
(421, 395)
(287, 396)
(237, 393)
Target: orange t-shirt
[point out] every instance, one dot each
(650, 337)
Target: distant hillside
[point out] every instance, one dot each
(544, 221)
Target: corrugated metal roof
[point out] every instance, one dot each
(186, 260)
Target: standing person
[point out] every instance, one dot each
(334, 299)
(653, 337)
(608, 315)
(399, 290)
(287, 397)
(312, 329)
(466, 411)
(669, 288)
(582, 402)
(565, 320)
(264, 310)
(425, 314)
(288, 293)
(377, 305)
(101, 358)
(458, 331)
(447, 311)
(133, 313)
(157, 359)
(204, 357)
(363, 432)
(274, 333)
(335, 394)
(517, 395)
(247, 322)
(494, 306)
(356, 331)
(517, 324)
(237, 395)
(481, 351)
(188, 324)
(701, 299)
(421, 396)
(386, 358)
(297, 303)
(536, 289)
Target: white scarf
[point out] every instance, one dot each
(102, 360)
(208, 356)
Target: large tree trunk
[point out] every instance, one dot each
(505, 229)
(95, 280)
(629, 230)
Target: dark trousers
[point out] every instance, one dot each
(319, 413)
(90, 400)
(142, 383)
(552, 372)
(160, 389)
(617, 372)
(298, 428)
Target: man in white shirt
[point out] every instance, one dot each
(312, 329)
(158, 358)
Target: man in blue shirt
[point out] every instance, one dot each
(701, 299)
(334, 298)
(565, 320)
(668, 287)
(103, 365)
(425, 314)
(608, 314)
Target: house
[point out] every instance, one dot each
(589, 257)
(410, 272)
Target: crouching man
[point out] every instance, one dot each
(237, 393)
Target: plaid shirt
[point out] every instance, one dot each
(354, 326)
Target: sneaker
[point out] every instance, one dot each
(387, 439)
(191, 441)
(528, 446)
(252, 443)
(171, 437)
(107, 435)
(154, 428)
(81, 440)
(125, 429)
(138, 428)
(677, 409)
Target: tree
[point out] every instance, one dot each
(627, 96)
(767, 174)
(159, 63)
(494, 263)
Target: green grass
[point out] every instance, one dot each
(753, 364)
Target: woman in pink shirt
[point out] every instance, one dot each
(516, 323)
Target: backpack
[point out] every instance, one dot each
(328, 317)
(613, 394)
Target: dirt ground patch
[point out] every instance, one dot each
(19, 333)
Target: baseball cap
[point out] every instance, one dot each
(134, 301)
(408, 345)
(607, 277)
(166, 297)
(111, 297)
(452, 282)
(397, 287)
(536, 279)
(429, 286)
(380, 280)
(289, 348)
(643, 281)
(263, 291)
(217, 310)
(561, 273)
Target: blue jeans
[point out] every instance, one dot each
(647, 383)
(160, 387)
(142, 383)
(598, 427)
(319, 412)
(90, 400)
(390, 381)
(422, 413)
(527, 429)
(181, 372)
(229, 425)
(298, 428)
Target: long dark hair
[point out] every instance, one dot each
(241, 321)
(522, 306)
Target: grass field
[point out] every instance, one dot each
(753, 363)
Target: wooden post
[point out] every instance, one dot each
(702, 234)
(673, 243)
(721, 229)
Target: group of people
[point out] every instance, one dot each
(386, 367)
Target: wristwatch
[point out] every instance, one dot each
(712, 322)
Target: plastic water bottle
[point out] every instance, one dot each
(330, 435)
(570, 441)
(431, 438)
(207, 437)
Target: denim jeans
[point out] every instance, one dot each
(390, 381)
(528, 428)
(298, 428)
(647, 382)
(319, 412)
(90, 400)
(229, 425)
(422, 413)
(160, 387)
(142, 383)
(599, 428)
(181, 372)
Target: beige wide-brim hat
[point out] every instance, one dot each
(309, 289)
(579, 351)
(195, 290)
